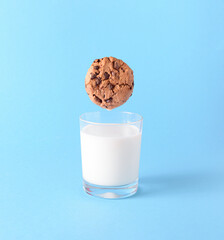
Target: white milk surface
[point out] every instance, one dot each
(110, 154)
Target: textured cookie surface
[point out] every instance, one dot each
(109, 82)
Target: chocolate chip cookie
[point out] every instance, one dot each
(109, 82)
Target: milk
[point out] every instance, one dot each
(110, 154)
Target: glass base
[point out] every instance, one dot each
(111, 192)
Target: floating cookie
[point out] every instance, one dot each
(109, 82)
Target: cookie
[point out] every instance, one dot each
(109, 82)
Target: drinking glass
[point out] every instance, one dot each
(110, 150)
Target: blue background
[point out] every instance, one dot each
(176, 49)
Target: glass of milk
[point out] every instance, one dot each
(110, 149)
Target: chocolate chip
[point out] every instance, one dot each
(116, 65)
(122, 69)
(97, 73)
(106, 75)
(98, 81)
(96, 67)
(98, 60)
(92, 75)
(111, 86)
(98, 99)
(109, 100)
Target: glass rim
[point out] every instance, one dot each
(122, 112)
